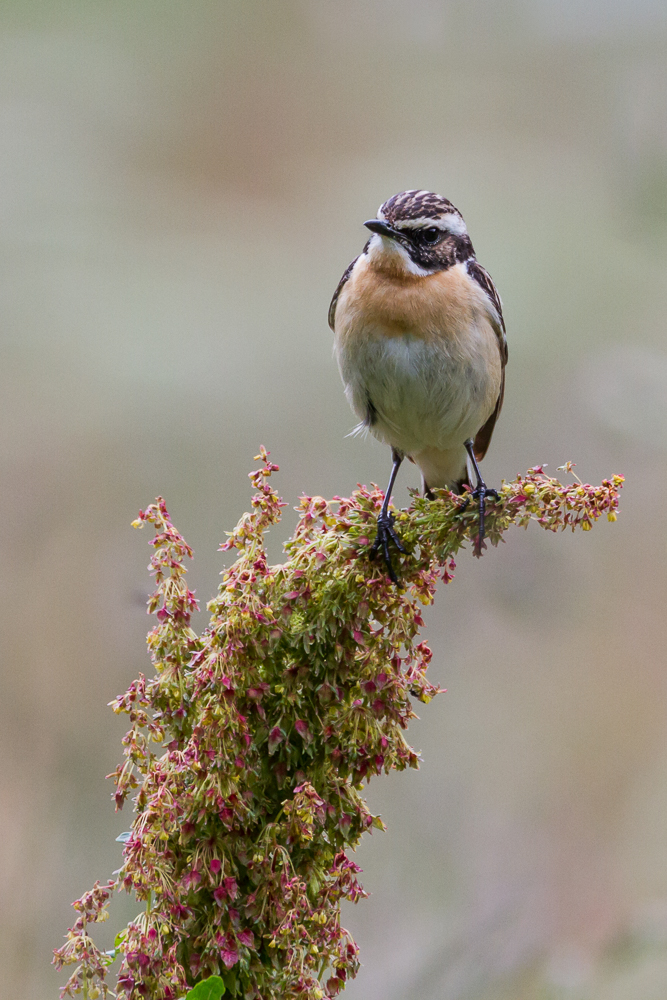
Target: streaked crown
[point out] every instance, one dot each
(416, 208)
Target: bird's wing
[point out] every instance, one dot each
(336, 294)
(483, 279)
(483, 435)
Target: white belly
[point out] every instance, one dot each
(418, 394)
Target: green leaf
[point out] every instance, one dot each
(208, 989)
(230, 981)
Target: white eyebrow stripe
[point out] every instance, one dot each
(450, 223)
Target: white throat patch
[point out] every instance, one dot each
(382, 250)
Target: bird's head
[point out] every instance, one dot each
(417, 233)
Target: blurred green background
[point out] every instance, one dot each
(181, 186)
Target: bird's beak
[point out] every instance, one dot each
(381, 228)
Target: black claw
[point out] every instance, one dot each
(480, 493)
(385, 534)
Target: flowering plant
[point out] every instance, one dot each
(248, 749)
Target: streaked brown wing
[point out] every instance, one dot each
(336, 294)
(483, 279)
(332, 307)
(484, 434)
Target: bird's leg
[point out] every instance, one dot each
(480, 493)
(385, 532)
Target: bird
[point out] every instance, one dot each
(421, 346)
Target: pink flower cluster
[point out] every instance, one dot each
(247, 748)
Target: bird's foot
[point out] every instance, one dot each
(480, 493)
(386, 534)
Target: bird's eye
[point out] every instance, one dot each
(431, 235)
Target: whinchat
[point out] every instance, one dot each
(420, 342)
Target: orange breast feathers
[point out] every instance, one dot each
(448, 304)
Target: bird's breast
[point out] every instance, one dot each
(436, 306)
(421, 355)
